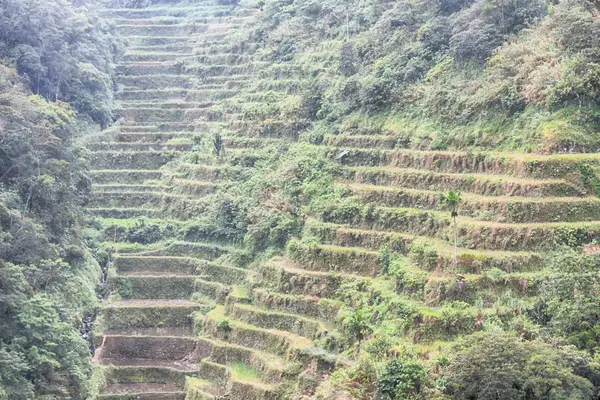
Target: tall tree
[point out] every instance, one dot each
(451, 201)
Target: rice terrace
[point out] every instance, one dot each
(300, 199)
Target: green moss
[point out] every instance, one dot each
(244, 372)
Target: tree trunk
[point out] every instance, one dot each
(455, 242)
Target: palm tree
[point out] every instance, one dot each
(358, 327)
(451, 201)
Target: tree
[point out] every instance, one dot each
(499, 366)
(451, 201)
(571, 296)
(348, 60)
(357, 326)
(217, 144)
(64, 52)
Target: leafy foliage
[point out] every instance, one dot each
(525, 71)
(500, 366)
(571, 301)
(263, 204)
(401, 378)
(48, 277)
(47, 280)
(65, 53)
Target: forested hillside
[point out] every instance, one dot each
(56, 83)
(300, 199)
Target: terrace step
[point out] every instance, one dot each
(194, 17)
(125, 176)
(193, 187)
(169, 94)
(157, 81)
(183, 366)
(224, 58)
(272, 341)
(162, 104)
(161, 30)
(500, 208)
(363, 141)
(205, 251)
(179, 47)
(200, 389)
(142, 391)
(179, 10)
(291, 279)
(136, 264)
(125, 213)
(156, 137)
(466, 260)
(252, 143)
(136, 160)
(513, 164)
(153, 68)
(480, 184)
(171, 348)
(269, 319)
(155, 286)
(157, 41)
(223, 80)
(308, 306)
(338, 259)
(164, 127)
(202, 173)
(149, 56)
(132, 199)
(183, 332)
(225, 69)
(136, 146)
(134, 188)
(473, 234)
(215, 272)
(150, 314)
(271, 367)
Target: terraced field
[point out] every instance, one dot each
(190, 317)
(515, 208)
(180, 322)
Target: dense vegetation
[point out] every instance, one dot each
(443, 73)
(56, 78)
(438, 74)
(63, 52)
(473, 75)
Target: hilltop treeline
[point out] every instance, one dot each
(445, 73)
(56, 80)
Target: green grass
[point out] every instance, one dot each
(244, 372)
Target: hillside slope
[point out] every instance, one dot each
(283, 227)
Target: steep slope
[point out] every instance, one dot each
(179, 318)
(193, 315)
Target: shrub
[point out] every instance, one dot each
(500, 366)
(423, 254)
(401, 378)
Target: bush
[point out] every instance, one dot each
(401, 378)
(500, 366)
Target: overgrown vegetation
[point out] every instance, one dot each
(56, 78)
(441, 73)
(434, 75)
(430, 304)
